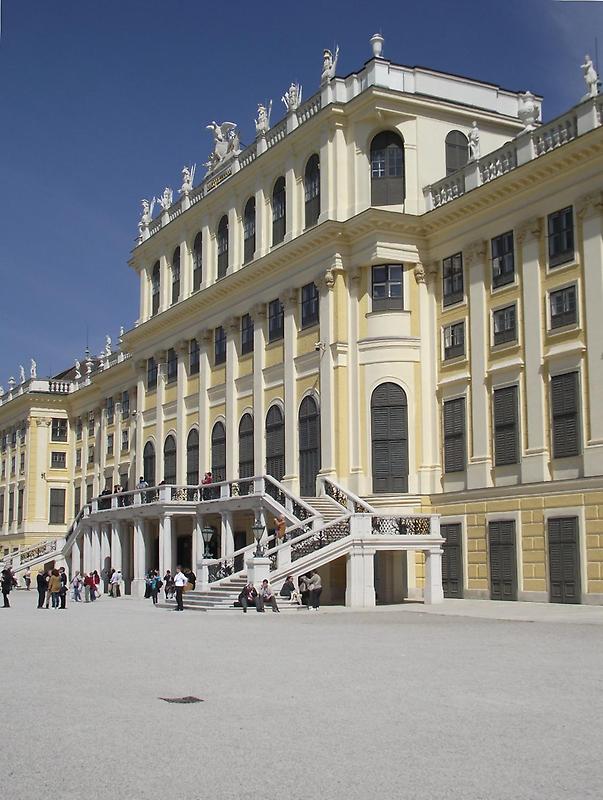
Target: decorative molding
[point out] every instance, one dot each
(258, 312)
(589, 204)
(419, 273)
(475, 252)
(529, 230)
(43, 422)
(233, 324)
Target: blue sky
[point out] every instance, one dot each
(103, 101)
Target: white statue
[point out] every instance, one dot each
(11, 383)
(33, 370)
(262, 123)
(145, 218)
(78, 371)
(474, 142)
(527, 110)
(188, 176)
(101, 359)
(590, 77)
(166, 199)
(329, 65)
(292, 97)
(226, 141)
(107, 350)
(1, 391)
(21, 373)
(88, 365)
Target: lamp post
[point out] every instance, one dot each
(258, 532)
(207, 534)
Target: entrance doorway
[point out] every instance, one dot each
(564, 560)
(452, 560)
(503, 560)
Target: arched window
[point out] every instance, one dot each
(312, 190)
(457, 151)
(309, 446)
(197, 261)
(148, 462)
(387, 169)
(192, 458)
(169, 461)
(279, 211)
(245, 451)
(389, 439)
(155, 287)
(218, 452)
(176, 276)
(249, 230)
(275, 443)
(222, 240)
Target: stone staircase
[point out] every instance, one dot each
(326, 507)
(222, 598)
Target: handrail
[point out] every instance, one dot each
(353, 502)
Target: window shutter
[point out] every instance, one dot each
(454, 435)
(564, 404)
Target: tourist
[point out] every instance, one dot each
(88, 587)
(289, 591)
(6, 582)
(207, 480)
(168, 581)
(54, 587)
(42, 584)
(155, 585)
(180, 581)
(266, 595)
(115, 582)
(280, 526)
(192, 578)
(304, 592)
(27, 578)
(64, 582)
(95, 584)
(315, 589)
(76, 584)
(248, 597)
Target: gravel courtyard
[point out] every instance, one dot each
(392, 703)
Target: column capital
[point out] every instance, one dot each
(589, 205)
(475, 252)
(205, 335)
(43, 422)
(289, 298)
(419, 273)
(529, 230)
(326, 281)
(181, 347)
(258, 312)
(232, 324)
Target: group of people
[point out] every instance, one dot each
(307, 593)
(183, 580)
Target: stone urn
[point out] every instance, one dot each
(528, 110)
(377, 45)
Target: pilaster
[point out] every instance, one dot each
(429, 467)
(326, 285)
(182, 351)
(354, 293)
(259, 410)
(204, 337)
(186, 269)
(138, 442)
(160, 358)
(232, 327)
(290, 301)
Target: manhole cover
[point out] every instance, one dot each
(188, 699)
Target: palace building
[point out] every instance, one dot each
(383, 320)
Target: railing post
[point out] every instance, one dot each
(203, 574)
(259, 486)
(165, 494)
(472, 175)
(525, 148)
(94, 505)
(283, 556)
(114, 500)
(361, 526)
(225, 490)
(586, 116)
(433, 591)
(137, 499)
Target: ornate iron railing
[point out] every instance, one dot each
(221, 570)
(327, 535)
(402, 526)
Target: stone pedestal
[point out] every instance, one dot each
(258, 569)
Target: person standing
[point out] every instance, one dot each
(280, 527)
(6, 582)
(42, 584)
(155, 586)
(315, 589)
(115, 583)
(96, 580)
(88, 587)
(76, 586)
(168, 580)
(63, 589)
(180, 581)
(54, 587)
(27, 578)
(192, 578)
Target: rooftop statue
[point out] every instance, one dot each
(33, 370)
(262, 123)
(78, 370)
(188, 176)
(528, 110)
(108, 346)
(145, 219)
(329, 65)
(166, 199)
(474, 142)
(590, 77)
(292, 97)
(226, 143)
(1, 391)
(21, 373)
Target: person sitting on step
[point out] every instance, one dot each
(266, 595)
(248, 597)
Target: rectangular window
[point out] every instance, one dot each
(503, 260)
(454, 435)
(4, 469)
(58, 460)
(276, 320)
(1, 508)
(564, 411)
(91, 422)
(151, 374)
(452, 278)
(125, 404)
(77, 500)
(57, 507)
(78, 458)
(309, 305)
(193, 357)
(387, 287)
(11, 507)
(564, 310)
(560, 229)
(505, 327)
(219, 345)
(78, 428)
(110, 410)
(89, 491)
(172, 365)
(91, 454)
(22, 464)
(506, 426)
(110, 440)
(246, 334)
(12, 465)
(13, 438)
(59, 430)
(20, 507)
(125, 440)
(454, 340)
(3, 442)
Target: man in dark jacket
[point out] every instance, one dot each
(42, 583)
(7, 585)
(248, 597)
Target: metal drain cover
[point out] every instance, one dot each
(188, 699)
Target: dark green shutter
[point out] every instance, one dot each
(503, 562)
(389, 439)
(564, 407)
(506, 429)
(309, 446)
(564, 560)
(218, 452)
(246, 454)
(454, 435)
(275, 443)
(452, 560)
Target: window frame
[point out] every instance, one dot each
(279, 211)
(560, 449)
(155, 288)
(563, 256)
(453, 296)
(194, 357)
(222, 246)
(175, 270)
(219, 345)
(59, 429)
(310, 305)
(152, 373)
(450, 465)
(276, 321)
(249, 230)
(388, 302)
(58, 459)
(565, 318)
(197, 254)
(502, 256)
(171, 365)
(247, 334)
(454, 350)
(503, 430)
(56, 492)
(506, 335)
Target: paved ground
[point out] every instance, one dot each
(386, 704)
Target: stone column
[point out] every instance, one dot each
(325, 285)
(160, 357)
(226, 535)
(165, 543)
(140, 558)
(360, 577)
(144, 312)
(87, 546)
(429, 467)
(590, 210)
(338, 196)
(292, 224)
(139, 443)
(291, 477)
(186, 270)
(433, 592)
(204, 338)
(116, 547)
(232, 327)
(480, 461)
(534, 463)
(96, 546)
(262, 209)
(105, 548)
(123, 534)
(198, 543)
(354, 428)
(235, 239)
(182, 351)
(259, 405)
